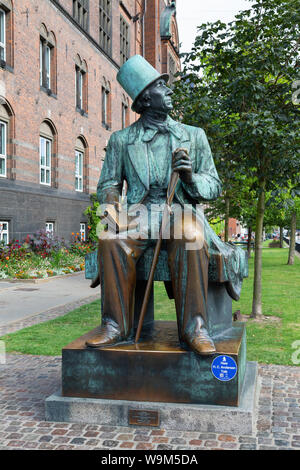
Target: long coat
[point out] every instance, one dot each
(127, 160)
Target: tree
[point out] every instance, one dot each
(237, 81)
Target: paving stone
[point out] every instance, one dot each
(22, 424)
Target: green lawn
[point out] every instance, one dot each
(268, 342)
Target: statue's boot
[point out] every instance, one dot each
(108, 335)
(200, 342)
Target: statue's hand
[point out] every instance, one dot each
(182, 163)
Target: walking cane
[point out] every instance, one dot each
(170, 195)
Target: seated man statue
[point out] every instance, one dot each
(144, 155)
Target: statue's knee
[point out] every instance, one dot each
(193, 233)
(106, 237)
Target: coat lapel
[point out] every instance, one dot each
(138, 155)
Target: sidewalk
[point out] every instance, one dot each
(26, 381)
(23, 304)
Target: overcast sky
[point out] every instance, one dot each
(192, 13)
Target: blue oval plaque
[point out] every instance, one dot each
(224, 368)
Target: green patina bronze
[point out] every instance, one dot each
(165, 21)
(135, 84)
(203, 281)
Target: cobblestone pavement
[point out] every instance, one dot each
(49, 314)
(25, 382)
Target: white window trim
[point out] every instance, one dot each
(80, 84)
(4, 232)
(48, 71)
(50, 228)
(78, 174)
(82, 232)
(41, 62)
(48, 65)
(3, 44)
(4, 155)
(45, 167)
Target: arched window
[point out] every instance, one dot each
(6, 34)
(48, 80)
(48, 163)
(6, 139)
(81, 85)
(81, 165)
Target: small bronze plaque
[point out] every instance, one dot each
(143, 417)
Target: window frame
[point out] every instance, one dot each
(46, 52)
(3, 232)
(78, 173)
(45, 167)
(124, 40)
(105, 25)
(81, 13)
(3, 44)
(82, 224)
(3, 156)
(49, 231)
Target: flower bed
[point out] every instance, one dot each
(41, 256)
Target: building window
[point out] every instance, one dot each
(4, 232)
(45, 65)
(2, 35)
(124, 40)
(81, 90)
(105, 25)
(106, 105)
(47, 60)
(125, 112)
(50, 228)
(81, 13)
(83, 232)
(6, 34)
(3, 155)
(79, 157)
(45, 161)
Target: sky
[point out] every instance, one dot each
(192, 13)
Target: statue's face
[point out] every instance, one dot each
(160, 96)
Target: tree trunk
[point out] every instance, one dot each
(227, 204)
(256, 302)
(281, 237)
(249, 242)
(292, 247)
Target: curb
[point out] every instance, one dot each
(38, 281)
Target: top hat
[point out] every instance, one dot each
(136, 75)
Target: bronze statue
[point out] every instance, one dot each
(144, 155)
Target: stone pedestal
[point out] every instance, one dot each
(169, 416)
(157, 383)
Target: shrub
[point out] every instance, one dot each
(93, 219)
(44, 244)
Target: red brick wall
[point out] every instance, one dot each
(31, 105)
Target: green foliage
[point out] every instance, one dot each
(93, 218)
(217, 225)
(237, 83)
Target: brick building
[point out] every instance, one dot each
(60, 101)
